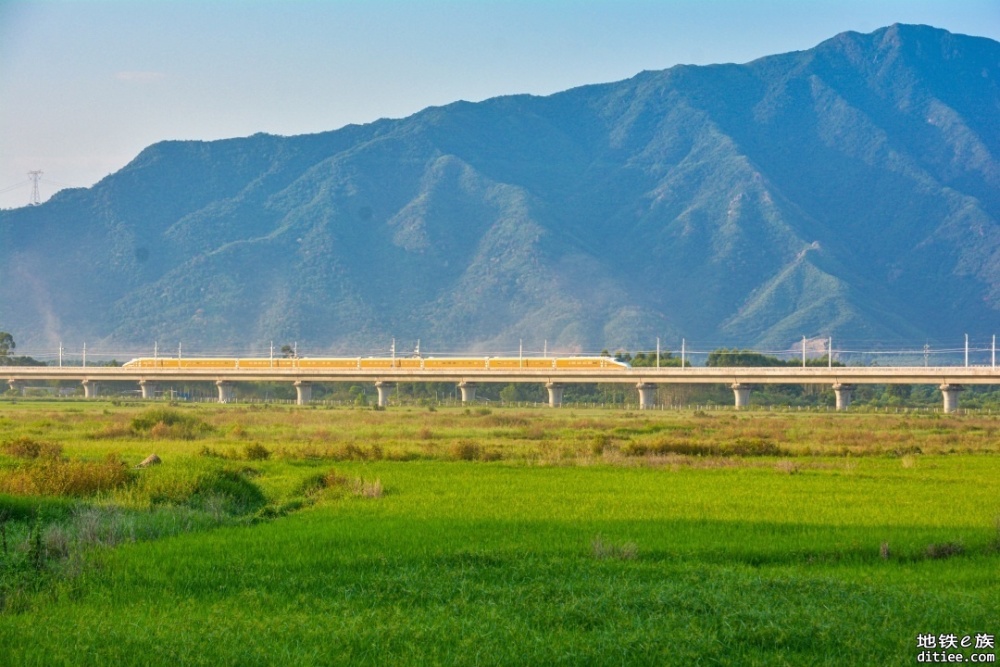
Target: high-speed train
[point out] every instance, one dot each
(376, 363)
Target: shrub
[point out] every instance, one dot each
(600, 442)
(256, 452)
(227, 491)
(466, 450)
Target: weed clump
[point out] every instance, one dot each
(739, 447)
(228, 492)
(466, 450)
(787, 467)
(167, 423)
(57, 477)
(994, 544)
(339, 484)
(602, 550)
(256, 452)
(600, 443)
(27, 448)
(944, 550)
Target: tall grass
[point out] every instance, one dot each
(346, 536)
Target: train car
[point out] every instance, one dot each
(375, 363)
(207, 363)
(590, 363)
(151, 362)
(193, 363)
(386, 363)
(253, 363)
(463, 364)
(503, 363)
(339, 363)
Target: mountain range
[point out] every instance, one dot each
(851, 190)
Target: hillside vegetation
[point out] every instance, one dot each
(851, 190)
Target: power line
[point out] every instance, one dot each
(11, 188)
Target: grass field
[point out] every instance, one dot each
(277, 535)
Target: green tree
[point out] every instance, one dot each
(6, 344)
(734, 357)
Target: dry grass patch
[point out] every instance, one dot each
(944, 550)
(28, 448)
(333, 481)
(57, 477)
(605, 550)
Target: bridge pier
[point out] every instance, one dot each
(148, 389)
(647, 395)
(383, 389)
(89, 389)
(468, 390)
(950, 394)
(227, 392)
(16, 386)
(843, 392)
(555, 393)
(742, 394)
(303, 392)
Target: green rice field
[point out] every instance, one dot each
(322, 536)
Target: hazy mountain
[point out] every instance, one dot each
(850, 190)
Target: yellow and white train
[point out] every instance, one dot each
(378, 363)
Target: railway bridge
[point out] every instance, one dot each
(949, 379)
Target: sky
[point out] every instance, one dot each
(85, 85)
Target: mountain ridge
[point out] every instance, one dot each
(848, 190)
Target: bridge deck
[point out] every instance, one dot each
(961, 375)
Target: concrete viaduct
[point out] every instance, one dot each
(949, 379)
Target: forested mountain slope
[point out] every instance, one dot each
(851, 190)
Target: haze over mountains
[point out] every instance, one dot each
(851, 190)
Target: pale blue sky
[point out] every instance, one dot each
(86, 84)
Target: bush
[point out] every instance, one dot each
(256, 452)
(466, 450)
(228, 491)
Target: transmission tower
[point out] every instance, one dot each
(35, 176)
